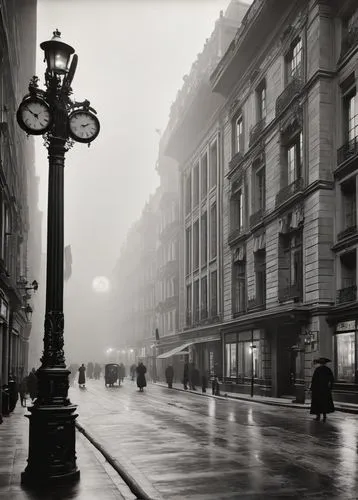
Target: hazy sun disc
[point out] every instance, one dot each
(100, 284)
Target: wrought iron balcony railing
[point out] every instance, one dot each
(349, 41)
(347, 232)
(285, 193)
(256, 218)
(256, 130)
(348, 151)
(235, 160)
(292, 90)
(348, 294)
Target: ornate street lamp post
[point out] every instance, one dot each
(52, 113)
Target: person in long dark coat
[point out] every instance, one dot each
(186, 376)
(321, 387)
(141, 371)
(169, 375)
(82, 375)
(32, 384)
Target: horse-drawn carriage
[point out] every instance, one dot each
(111, 375)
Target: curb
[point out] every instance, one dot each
(133, 485)
(353, 411)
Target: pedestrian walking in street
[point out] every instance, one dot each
(321, 387)
(32, 384)
(13, 392)
(186, 375)
(122, 372)
(82, 376)
(133, 371)
(141, 381)
(23, 391)
(169, 375)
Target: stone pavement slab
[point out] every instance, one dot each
(98, 481)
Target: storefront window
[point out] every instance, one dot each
(345, 343)
(231, 370)
(240, 357)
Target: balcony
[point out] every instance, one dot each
(290, 292)
(256, 218)
(349, 41)
(256, 131)
(348, 151)
(235, 160)
(348, 294)
(292, 90)
(349, 231)
(285, 193)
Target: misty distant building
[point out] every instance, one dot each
(17, 180)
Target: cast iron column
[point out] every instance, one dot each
(52, 453)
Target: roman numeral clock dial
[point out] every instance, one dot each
(34, 116)
(83, 126)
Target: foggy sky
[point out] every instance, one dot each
(132, 57)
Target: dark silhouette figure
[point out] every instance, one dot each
(13, 392)
(122, 371)
(141, 381)
(82, 375)
(169, 375)
(23, 390)
(215, 387)
(321, 387)
(133, 371)
(32, 384)
(186, 376)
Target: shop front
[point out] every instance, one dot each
(345, 361)
(246, 362)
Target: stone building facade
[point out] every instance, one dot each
(285, 235)
(17, 176)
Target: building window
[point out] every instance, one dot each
(259, 186)
(188, 305)
(350, 114)
(204, 175)
(196, 245)
(213, 294)
(196, 308)
(294, 61)
(293, 159)
(290, 264)
(261, 101)
(188, 251)
(204, 298)
(203, 239)
(238, 129)
(196, 185)
(213, 164)
(213, 231)
(349, 208)
(239, 287)
(348, 269)
(237, 210)
(188, 194)
(260, 277)
(231, 360)
(243, 356)
(346, 357)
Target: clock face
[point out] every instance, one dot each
(34, 116)
(84, 126)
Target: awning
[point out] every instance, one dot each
(177, 351)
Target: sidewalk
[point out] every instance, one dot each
(98, 480)
(287, 403)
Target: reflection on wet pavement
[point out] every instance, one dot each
(204, 448)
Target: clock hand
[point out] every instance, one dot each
(35, 114)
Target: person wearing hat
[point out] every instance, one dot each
(321, 387)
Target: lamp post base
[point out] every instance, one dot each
(52, 449)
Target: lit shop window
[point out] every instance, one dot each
(345, 350)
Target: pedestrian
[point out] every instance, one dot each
(23, 391)
(32, 384)
(169, 375)
(13, 392)
(215, 387)
(141, 381)
(122, 372)
(186, 375)
(133, 371)
(82, 376)
(321, 387)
